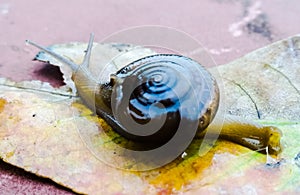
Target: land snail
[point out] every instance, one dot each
(163, 87)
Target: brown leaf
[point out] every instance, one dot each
(265, 84)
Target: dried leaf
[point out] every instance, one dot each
(39, 131)
(265, 84)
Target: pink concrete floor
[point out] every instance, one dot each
(227, 28)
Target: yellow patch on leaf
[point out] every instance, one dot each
(2, 104)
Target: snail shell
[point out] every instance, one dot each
(152, 96)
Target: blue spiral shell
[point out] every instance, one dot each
(154, 97)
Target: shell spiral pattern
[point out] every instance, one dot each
(162, 97)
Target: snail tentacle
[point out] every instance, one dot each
(82, 68)
(60, 58)
(88, 52)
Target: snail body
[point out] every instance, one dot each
(148, 100)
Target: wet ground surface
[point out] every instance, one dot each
(228, 29)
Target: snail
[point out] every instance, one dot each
(148, 100)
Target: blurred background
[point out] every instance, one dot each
(227, 29)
